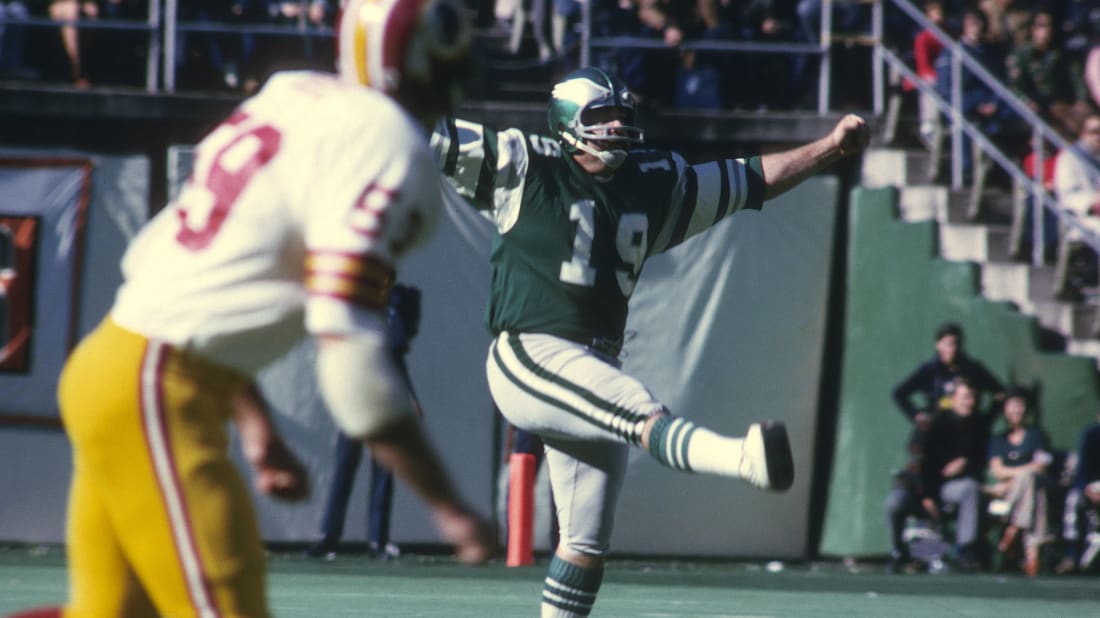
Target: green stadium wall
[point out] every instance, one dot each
(897, 292)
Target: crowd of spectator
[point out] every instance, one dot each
(983, 479)
(220, 45)
(209, 53)
(1048, 52)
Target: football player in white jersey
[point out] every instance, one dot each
(298, 209)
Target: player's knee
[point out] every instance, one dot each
(592, 549)
(361, 385)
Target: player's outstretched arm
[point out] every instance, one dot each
(276, 470)
(785, 170)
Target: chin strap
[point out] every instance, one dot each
(611, 158)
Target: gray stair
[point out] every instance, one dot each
(980, 231)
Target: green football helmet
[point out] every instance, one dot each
(572, 100)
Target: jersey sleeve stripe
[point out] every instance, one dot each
(662, 240)
(752, 178)
(739, 184)
(723, 191)
(450, 161)
(687, 209)
(712, 196)
(362, 280)
(469, 158)
(512, 161)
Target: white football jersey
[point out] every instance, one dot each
(297, 209)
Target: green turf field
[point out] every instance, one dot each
(432, 586)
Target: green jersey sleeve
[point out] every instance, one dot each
(706, 193)
(485, 166)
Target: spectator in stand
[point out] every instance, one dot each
(280, 52)
(1082, 514)
(69, 11)
(1091, 72)
(933, 381)
(531, 12)
(13, 41)
(673, 22)
(1006, 24)
(955, 462)
(949, 473)
(118, 57)
(1048, 79)
(935, 378)
(980, 104)
(1018, 460)
(1050, 218)
(847, 17)
(1077, 187)
(926, 48)
(565, 14)
(215, 59)
(772, 75)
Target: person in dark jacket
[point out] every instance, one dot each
(1081, 529)
(403, 323)
(934, 378)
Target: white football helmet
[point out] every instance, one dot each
(414, 50)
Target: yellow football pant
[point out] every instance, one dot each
(160, 522)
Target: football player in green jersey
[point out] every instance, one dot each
(577, 213)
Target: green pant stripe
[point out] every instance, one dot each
(668, 441)
(689, 428)
(632, 422)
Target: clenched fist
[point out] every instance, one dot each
(851, 135)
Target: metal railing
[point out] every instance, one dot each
(165, 28)
(151, 25)
(173, 27)
(1041, 132)
(822, 48)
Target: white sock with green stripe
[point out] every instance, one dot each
(682, 445)
(569, 590)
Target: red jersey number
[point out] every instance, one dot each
(241, 148)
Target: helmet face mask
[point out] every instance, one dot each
(584, 108)
(416, 51)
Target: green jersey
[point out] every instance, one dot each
(570, 246)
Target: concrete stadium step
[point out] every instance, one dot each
(1031, 290)
(922, 200)
(920, 168)
(984, 239)
(1084, 347)
(971, 242)
(884, 167)
(1075, 320)
(922, 203)
(1019, 283)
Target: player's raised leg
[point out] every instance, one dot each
(762, 457)
(553, 386)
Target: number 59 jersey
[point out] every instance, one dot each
(570, 246)
(297, 209)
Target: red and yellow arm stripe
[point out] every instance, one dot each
(362, 280)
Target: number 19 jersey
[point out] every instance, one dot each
(297, 209)
(570, 246)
